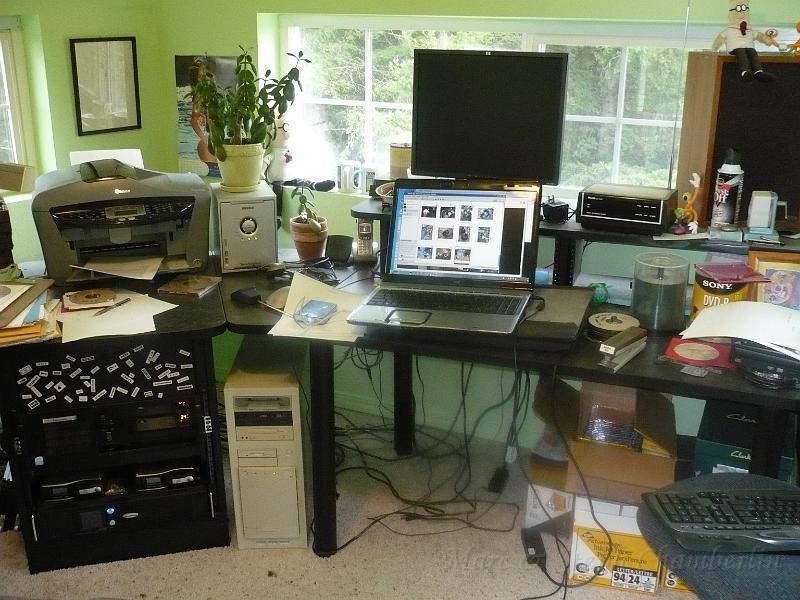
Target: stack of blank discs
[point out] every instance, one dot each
(606, 324)
(6, 245)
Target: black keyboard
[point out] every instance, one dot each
(742, 521)
(488, 304)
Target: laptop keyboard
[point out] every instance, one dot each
(487, 304)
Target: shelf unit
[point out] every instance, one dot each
(567, 255)
(722, 111)
(113, 448)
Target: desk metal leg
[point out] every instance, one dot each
(768, 442)
(322, 448)
(403, 404)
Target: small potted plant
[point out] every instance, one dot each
(241, 120)
(308, 229)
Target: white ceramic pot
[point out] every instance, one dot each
(242, 168)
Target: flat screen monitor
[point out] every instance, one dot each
(488, 114)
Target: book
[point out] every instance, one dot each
(617, 343)
(190, 285)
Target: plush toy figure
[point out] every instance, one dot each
(795, 47)
(279, 156)
(739, 39)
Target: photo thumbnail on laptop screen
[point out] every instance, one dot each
(462, 233)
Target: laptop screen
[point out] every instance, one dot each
(479, 235)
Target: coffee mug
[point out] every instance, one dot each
(348, 176)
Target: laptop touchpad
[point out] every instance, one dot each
(407, 317)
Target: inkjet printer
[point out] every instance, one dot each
(105, 208)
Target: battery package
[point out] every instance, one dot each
(76, 485)
(165, 475)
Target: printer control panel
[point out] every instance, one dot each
(122, 215)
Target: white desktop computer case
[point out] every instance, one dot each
(265, 444)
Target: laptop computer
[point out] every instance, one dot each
(460, 257)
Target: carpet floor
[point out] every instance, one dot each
(463, 542)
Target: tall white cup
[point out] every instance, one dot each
(348, 176)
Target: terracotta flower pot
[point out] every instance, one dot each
(309, 243)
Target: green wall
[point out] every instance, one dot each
(164, 28)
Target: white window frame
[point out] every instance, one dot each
(14, 69)
(537, 33)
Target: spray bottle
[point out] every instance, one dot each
(728, 190)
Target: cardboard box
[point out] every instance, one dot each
(626, 416)
(546, 497)
(725, 438)
(611, 472)
(671, 581)
(630, 565)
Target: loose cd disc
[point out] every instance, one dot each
(696, 351)
(606, 324)
(191, 282)
(94, 296)
(4, 290)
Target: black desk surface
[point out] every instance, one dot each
(648, 370)
(193, 316)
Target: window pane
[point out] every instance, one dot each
(6, 145)
(321, 136)
(654, 86)
(389, 126)
(393, 62)
(337, 63)
(484, 40)
(593, 82)
(587, 153)
(6, 133)
(645, 155)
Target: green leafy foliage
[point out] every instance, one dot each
(248, 111)
(305, 210)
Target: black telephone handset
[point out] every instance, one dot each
(364, 246)
(765, 366)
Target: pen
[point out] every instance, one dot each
(108, 308)
(766, 240)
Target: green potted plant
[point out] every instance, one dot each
(241, 120)
(308, 229)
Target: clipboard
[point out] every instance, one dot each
(19, 304)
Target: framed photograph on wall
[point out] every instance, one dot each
(106, 82)
(783, 270)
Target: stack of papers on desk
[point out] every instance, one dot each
(336, 329)
(135, 316)
(37, 323)
(770, 325)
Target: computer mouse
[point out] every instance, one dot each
(277, 299)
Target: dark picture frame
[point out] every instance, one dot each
(106, 84)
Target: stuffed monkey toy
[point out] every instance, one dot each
(739, 39)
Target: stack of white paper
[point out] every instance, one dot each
(135, 316)
(770, 325)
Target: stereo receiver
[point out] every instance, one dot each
(631, 208)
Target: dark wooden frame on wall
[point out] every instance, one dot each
(133, 113)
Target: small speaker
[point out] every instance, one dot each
(339, 249)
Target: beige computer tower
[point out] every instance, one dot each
(265, 444)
